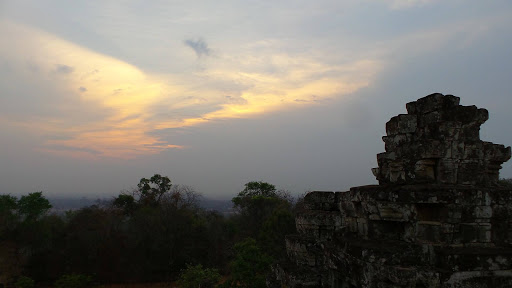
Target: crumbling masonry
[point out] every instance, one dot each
(438, 217)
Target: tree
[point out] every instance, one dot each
(164, 229)
(505, 182)
(24, 282)
(198, 277)
(126, 203)
(8, 215)
(150, 193)
(74, 281)
(265, 214)
(258, 189)
(250, 266)
(152, 189)
(33, 206)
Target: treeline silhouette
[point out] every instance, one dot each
(156, 233)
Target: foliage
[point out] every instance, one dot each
(74, 281)
(151, 190)
(125, 202)
(24, 282)
(505, 182)
(33, 206)
(250, 266)
(8, 204)
(265, 214)
(149, 235)
(260, 188)
(8, 214)
(197, 276)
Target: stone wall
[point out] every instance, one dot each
(438, 141)
(436, 219)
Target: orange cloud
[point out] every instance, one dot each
(124, 104)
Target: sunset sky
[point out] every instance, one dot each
(95, 95)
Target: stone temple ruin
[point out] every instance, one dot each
(438, 217)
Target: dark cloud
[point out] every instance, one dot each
(236, 100)
(199, 46)
(82, 89)
(63, 69)
(313, 99)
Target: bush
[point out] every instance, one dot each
(74, 281)
(24, 282)
(197, 276)
(505, 182)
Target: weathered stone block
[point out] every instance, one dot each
(432, 149)
(394, 211)
(484, 232)
(319, 200)
(482, 212)
(407, 123)
(447, 171)
(429, 231)
(429, 103)
(469, 232)
(425, 169)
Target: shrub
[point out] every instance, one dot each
(24, 282)
(197, 276)
(73, 281)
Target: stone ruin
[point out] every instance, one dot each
(438, 217)
(438, 141)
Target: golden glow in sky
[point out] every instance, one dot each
(122, 101)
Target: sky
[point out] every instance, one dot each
(95, 95)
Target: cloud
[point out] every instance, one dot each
(407, 4)
(71, 149)
(235, 100)
(126, 110)
(63, 69)
(199, 46)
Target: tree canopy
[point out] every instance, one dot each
(156, 233)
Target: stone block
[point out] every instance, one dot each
(320, 200)
(447, 171)
(362, 227)
(401, 124)
(468, 115)
(429, 103)
(469, 172)
(411, 107)
(482, 212)
(450, 130)
(469, 232)
(348, 209)
(392, 126)
(495, 152)
(429, 231)
(473, 151)
(407, 123)
(425, 169)
(432, 149)
(391, 143)
(484, 232)
(396, 172)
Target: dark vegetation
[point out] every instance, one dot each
(157, 233)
